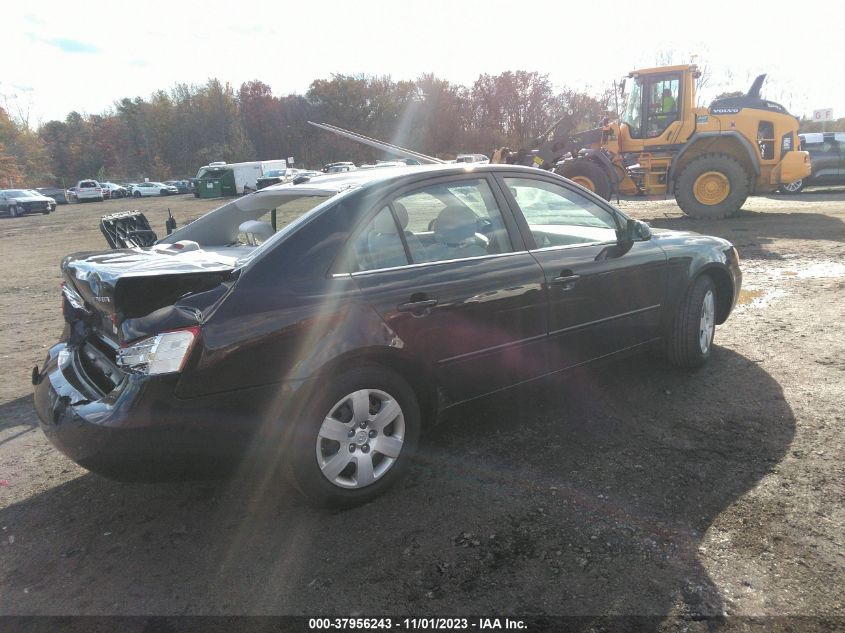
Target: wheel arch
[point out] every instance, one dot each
(724, 283)
(412, 371)
(730, 143)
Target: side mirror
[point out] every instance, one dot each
(634, 231)
(642, 231)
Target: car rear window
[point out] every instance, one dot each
(88, 183)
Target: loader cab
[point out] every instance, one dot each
(658, 98)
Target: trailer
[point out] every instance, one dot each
(232, 179)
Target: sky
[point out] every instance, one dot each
(57, 57)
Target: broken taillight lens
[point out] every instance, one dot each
(163, 353)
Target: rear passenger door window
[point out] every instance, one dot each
(451, 220)
(378, 245)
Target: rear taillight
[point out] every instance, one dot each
(164, 353)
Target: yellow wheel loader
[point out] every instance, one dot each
(710, 159)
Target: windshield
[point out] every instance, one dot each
(633, 108)
(273, 173)
(20, 193)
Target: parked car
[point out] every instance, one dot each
(304, 175)
(827, 161)
(276, 176)
(89, 190)
(153, 189)
(472, 158)
(17, 202)
(329, 343)
(112, 190)
(182, 186)
(56, 193)
(335, 168)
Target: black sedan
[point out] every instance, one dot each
(274, 177)
(326, 342)
(56, 193)
(17, 202)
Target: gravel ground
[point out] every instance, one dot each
(628, 488)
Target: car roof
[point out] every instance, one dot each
(329, 184)
(820, 137)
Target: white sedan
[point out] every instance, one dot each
(153, 189)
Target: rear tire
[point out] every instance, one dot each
(712, 186)
(323, 463)
(589, 175)
(694, 326)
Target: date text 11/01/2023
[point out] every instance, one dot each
(414, 624)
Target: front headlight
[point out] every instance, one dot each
(164, 353)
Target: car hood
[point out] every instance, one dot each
(23, 199)
(666, 236)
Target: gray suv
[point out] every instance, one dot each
(827, 159)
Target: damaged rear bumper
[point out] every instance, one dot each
(142, 431)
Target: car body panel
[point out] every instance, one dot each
(485, 332)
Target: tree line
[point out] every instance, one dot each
(174, 132)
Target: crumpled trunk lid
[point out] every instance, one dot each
(118, 288)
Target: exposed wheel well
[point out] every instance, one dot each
(724, 291)
(413, 373)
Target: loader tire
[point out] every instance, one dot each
(589, 175)
(712, 186)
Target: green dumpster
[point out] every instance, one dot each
(211, 188)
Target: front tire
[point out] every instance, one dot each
(694, 326)
(588, 174)
(712, 186)
(13, 212)
(137, 194)
(793, 187)
(357, 437)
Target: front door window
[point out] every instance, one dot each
(663, 104)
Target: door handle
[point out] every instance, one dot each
(423, 305)
(566, 281)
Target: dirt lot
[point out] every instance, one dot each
(630, 488)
